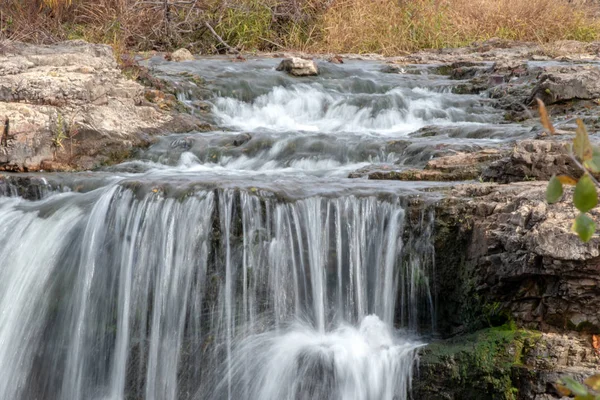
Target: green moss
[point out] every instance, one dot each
(478, 365)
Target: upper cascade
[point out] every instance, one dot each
(315, 108)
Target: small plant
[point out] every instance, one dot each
(585, 196)
(59, 134)
(65, 131)
(71, 132)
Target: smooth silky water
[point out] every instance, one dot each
(241, 263)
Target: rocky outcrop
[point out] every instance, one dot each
(70, 107)
(507, 259)
(460, 166)
(496, 49)
(525, 160)
(520, 252)
(532, 160)
(298, 67)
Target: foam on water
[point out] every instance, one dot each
(313, 108)
(364, 362)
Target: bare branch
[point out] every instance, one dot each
(220, 39)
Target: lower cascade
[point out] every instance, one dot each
(126, 292)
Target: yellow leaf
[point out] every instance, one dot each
(544, 118)
(562, 390)
(566, 180)
(593, 381)
(581, 144)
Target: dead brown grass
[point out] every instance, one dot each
(358, 26)
(526, 20)
(389, 27)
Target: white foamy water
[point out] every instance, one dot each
(312, 108)
(364, 362)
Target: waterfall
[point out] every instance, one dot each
(234, 294)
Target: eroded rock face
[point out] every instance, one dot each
(298, 67)
(70, 107)
(521, 254)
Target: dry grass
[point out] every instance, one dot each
(389, 27)
(359, 26)
(528, 20)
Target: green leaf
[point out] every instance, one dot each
(575, 387)
(594, 163)
(581, 143)
(585, 197)
(585, 227)
(554, 191)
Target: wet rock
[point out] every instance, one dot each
(459, 166)
(241, 139)
(298, 67)
(423, 175)
(69, 105)
(393, 69)
(182, 55)
(510, 68)
(465, 69)
(564, 83)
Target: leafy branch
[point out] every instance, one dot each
(585, 196)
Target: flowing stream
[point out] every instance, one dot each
(239, 264)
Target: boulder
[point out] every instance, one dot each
(298, 67)
(517, 295)
(182, 55)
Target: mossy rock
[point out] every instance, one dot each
(475, 366)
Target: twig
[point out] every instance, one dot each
(220, 39)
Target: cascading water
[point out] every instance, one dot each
(236, 265)
(222, 294)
